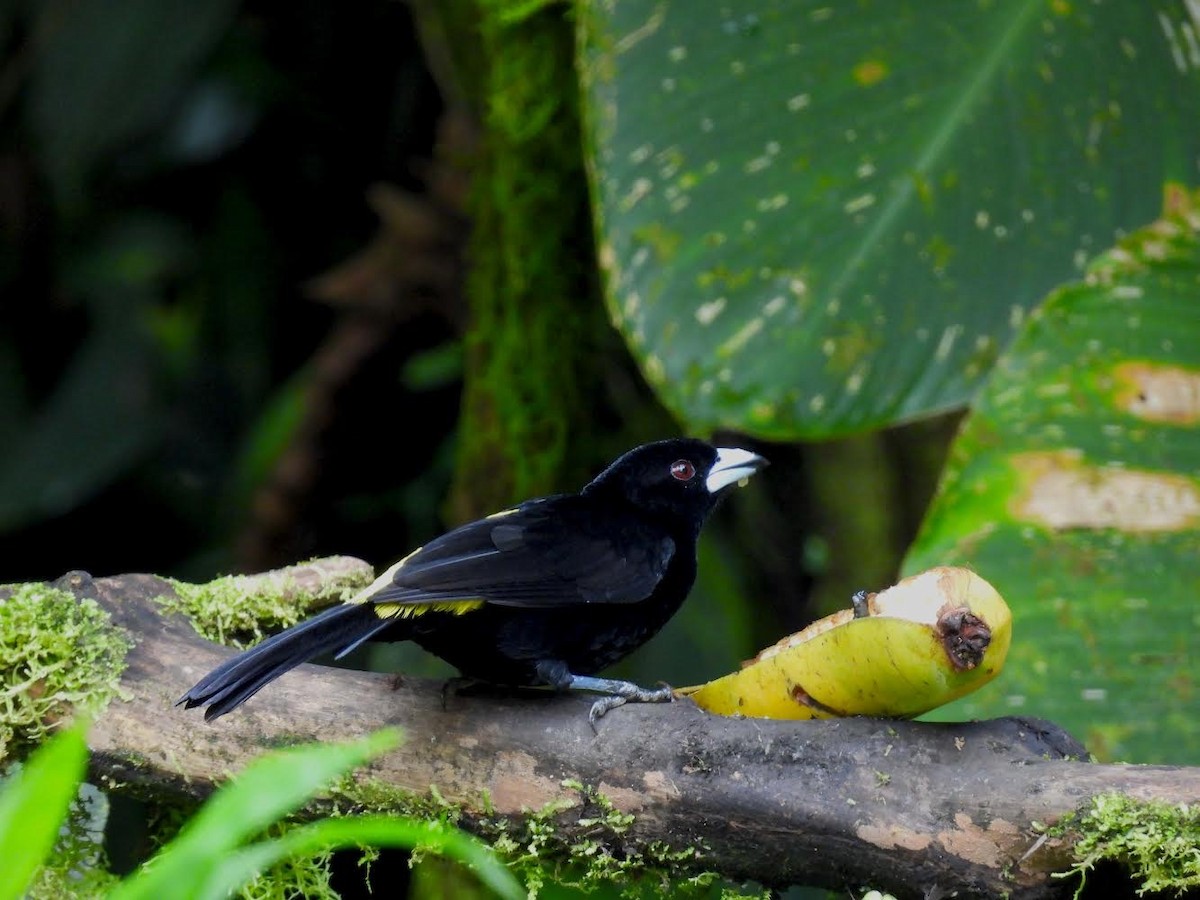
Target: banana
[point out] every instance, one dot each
(917, 645)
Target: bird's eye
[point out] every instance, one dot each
(683, 470)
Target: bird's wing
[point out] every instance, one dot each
(545, 553)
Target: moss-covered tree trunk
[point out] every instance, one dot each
(536, 319)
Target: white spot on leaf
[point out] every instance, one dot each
(641, 187)
(707, 312)
(858, 204)
(639, 155)
(946, 344)
(770, 204)
(741, 337)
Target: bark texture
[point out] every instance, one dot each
(903, 806)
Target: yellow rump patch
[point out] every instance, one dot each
(412, 610)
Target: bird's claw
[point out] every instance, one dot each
(603, 705)
(634, 694)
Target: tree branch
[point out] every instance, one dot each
(903, 806)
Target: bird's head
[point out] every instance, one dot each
(677, 479)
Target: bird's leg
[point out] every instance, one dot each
(616, 692)
(458, 684)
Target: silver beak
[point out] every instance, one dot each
(732, 465)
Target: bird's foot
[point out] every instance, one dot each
(615, 692)
(612, 701)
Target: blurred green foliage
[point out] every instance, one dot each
(226, 845)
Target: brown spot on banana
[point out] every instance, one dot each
(965, 636)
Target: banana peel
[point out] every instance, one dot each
(901, 652)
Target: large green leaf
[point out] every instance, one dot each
(1074, 487)
(817, 217)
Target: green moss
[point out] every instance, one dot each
(537, 848)
(355, 796)
(234, 610)
(53, 882)
(1156, 842)
(309, 877)
(535, 316)
(59, 655)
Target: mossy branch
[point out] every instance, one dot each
(903, 806)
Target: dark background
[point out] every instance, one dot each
(235, 327)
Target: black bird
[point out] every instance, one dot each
(547, 593)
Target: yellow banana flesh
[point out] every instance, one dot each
(917, 645)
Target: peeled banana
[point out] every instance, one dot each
(917, 645)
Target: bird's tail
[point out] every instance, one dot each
(339, 628)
